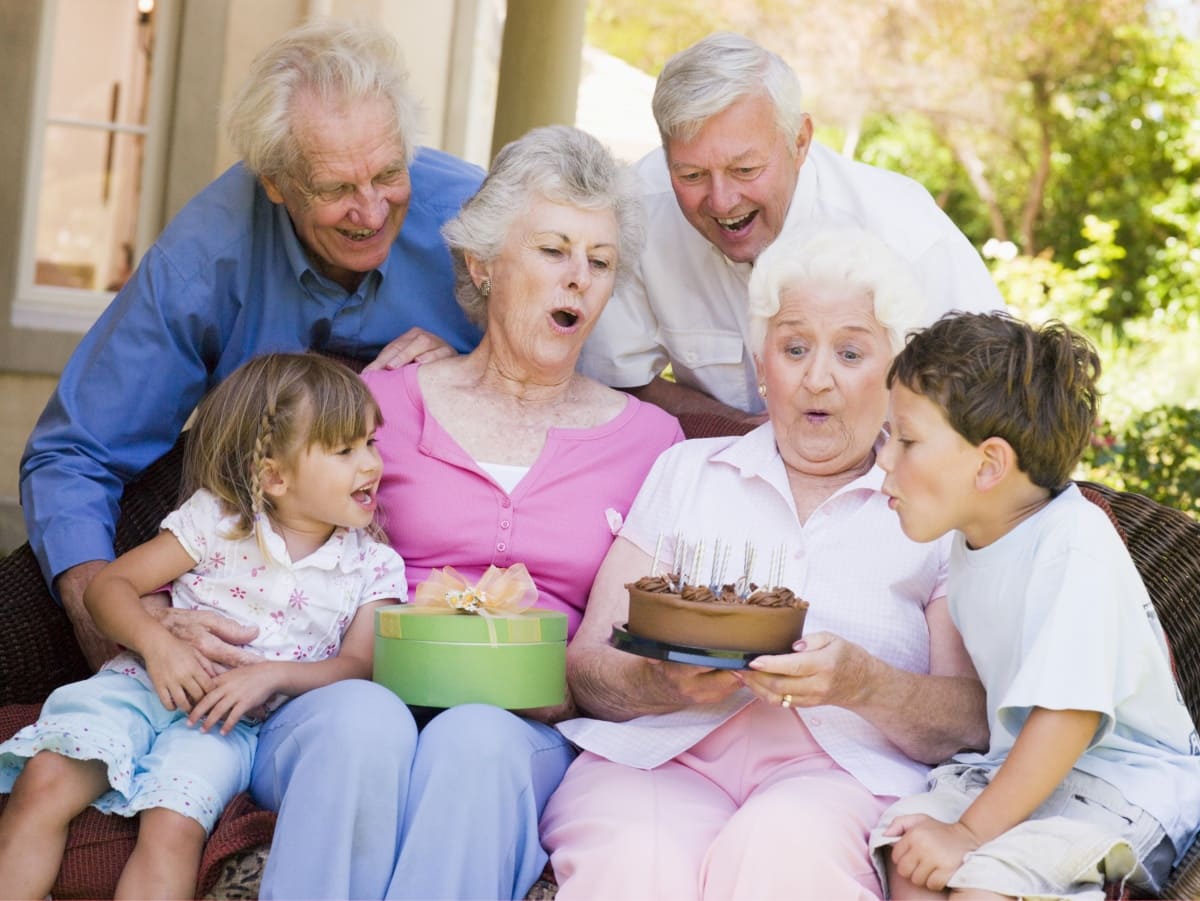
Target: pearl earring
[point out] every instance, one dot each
(762, 389)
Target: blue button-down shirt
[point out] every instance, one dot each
(226, 280)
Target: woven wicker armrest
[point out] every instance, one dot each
(38, 651)
(1165, 546)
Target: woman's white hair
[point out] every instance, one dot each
(558, 163)
(716, 72)
(827, 254)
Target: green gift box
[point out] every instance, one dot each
(440, 657)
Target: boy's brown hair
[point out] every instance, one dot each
(995, 376)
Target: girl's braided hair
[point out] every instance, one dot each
(271, 408)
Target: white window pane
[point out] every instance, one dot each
(101, 61)
(91, 183)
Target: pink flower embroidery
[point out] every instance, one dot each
(277, 616)
(297, 599)
(217, 560)
(238, 592)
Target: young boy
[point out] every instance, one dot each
(1093, 772)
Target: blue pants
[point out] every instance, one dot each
(369, 808)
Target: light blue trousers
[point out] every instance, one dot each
(369, 808)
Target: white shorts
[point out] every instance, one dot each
(1084, 835)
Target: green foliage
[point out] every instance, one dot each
(1155, 454)
(1127, 151)
(646, 35)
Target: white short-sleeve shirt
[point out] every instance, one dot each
(1055, 615)
(301, 608)
(864, 580)
(686, 302)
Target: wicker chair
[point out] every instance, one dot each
(38, 652)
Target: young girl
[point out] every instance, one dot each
(278, 532)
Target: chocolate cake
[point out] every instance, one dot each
(764, 621)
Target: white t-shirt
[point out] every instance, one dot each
(863, 580)
(1055, 615)
(302, 608)
(686, 303)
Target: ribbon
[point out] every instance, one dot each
(498, 591)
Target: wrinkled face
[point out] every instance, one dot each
(930, 467)
(550, 282)
(735, 179)
(824, 363)
(349, 212)
(326, 487)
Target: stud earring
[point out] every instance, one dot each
(762, 389)
(485, 287)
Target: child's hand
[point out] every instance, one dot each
(181, 675)
(234, 694)
(929, 852)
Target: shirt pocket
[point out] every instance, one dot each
(697, 348)
(711, 361)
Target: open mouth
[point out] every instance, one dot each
(364, 497)
(358, 234)
(564, 318)
(736, 225)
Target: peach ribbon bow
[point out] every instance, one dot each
(509, 590)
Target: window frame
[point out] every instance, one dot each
(61, 309)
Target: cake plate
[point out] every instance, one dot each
(714, 658)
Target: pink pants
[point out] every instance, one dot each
(756, 810)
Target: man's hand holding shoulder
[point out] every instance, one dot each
(415, 344)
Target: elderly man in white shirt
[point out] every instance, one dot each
(739, 166)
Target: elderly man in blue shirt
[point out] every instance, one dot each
(327, 236)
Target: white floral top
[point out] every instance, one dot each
(301, 608)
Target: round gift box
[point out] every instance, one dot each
(734, 627)
(440, 657)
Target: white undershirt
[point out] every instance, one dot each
(505, 475)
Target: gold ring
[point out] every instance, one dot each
(786, 701)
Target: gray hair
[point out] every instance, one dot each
(556, 163)
(839, 255)
(338, 63)
(713, 74)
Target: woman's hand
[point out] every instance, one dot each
(823, 669)
(694, 684)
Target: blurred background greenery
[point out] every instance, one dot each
(1063, 137)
